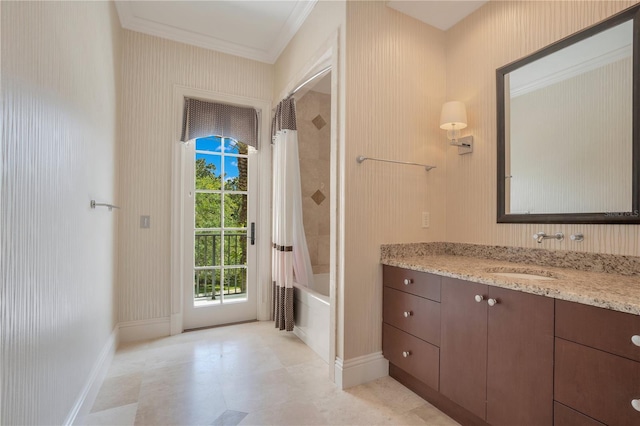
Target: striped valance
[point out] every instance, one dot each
(203, 118)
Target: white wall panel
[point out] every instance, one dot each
(60, 72)
(497, 34)
(151, 68)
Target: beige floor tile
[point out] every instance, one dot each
(127, 362)
(432, 416)
(389, 393)
(117, 391)
(119, 416)
(191, 403)
(260, 391)
(196, 377)
(288, 413)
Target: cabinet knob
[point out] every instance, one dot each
(635, 339)
(492, 302)
(635, 403)
(407, 353)
(479, 298)
(408, 281)
(407, 314)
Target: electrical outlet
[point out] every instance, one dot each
(425, 219)
(145, 221)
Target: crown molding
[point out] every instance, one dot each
(295, 20)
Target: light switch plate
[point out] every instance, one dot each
(145, 221)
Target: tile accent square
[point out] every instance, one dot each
(318, 197)
(319, 122)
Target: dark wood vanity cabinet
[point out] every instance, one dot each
(411, 329)
(489, 355)
(597, 370)
(497, 352)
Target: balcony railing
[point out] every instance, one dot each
(210, 264)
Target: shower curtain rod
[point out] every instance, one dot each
(313, 77)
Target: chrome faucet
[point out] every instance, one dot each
(542, 236)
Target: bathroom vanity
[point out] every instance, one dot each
(498, 342)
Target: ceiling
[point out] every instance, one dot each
(259, 29)
(442, 14)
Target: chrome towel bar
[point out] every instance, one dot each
(109, 206)
(360, 159)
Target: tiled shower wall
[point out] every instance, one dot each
(314, 140)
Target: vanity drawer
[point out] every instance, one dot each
(565, 416)
(422, 360)
(414, 282)
(600, 328)
(415, 315)
(596, 383)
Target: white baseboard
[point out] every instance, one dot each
(87, 397)
(176, 324)
(132, 331)
(363, 369)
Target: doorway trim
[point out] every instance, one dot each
(330, 54)
(263, 235)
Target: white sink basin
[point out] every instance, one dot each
(523, 273)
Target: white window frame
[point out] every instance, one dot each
(263, 231)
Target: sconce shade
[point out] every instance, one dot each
(453, 116)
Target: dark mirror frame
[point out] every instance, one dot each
(632, 217)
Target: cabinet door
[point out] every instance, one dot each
(413, 314)
(415, 356)
(463, 344)
(419, 283)
(520, 359)
(596, 383)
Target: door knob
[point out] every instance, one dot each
(408, 281)
(407, 353)
(407, 314)
(635, 403)
(635, 339)
(492, 302)
(479, 298)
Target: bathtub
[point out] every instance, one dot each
(311, 310)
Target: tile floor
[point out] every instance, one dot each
(246, 374)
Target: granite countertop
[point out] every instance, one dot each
(611, 290)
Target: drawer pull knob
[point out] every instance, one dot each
(407, 353)
(492, 302)
(408, 281)
(635, 340)
(479, 298)
(407, 314)
(635, 403)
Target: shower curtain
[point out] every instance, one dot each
(290, 255)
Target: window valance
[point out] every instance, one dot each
(203, 118)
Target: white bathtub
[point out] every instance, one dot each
(311, 309)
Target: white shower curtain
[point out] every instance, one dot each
(290, 252)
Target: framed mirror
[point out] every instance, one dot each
(569, 129)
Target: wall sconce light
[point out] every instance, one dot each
(453, 118)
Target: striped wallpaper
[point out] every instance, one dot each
(151, 68)
(496, 34)
(394, 90)
(60, 72)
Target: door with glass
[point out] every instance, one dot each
(220, 250)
